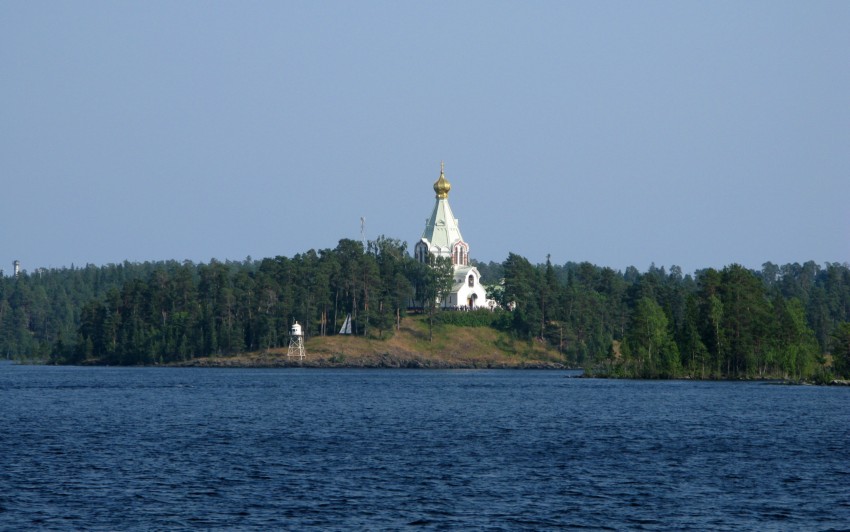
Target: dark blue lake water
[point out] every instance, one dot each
(151, 448)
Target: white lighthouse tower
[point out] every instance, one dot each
(296, 342)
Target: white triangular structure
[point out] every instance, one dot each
(346, 325)
(442, 238)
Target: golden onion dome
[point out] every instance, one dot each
(442, 186)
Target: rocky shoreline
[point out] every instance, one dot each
(383, 361)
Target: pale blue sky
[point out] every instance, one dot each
(621, 133)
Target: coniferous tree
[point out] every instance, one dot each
(841, 350)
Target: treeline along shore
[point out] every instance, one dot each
(790, 321)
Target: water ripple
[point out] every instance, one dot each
(179, 449)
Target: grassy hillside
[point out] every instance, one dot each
(453, 347)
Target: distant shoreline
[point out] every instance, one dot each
(387, 361)
(382, 361)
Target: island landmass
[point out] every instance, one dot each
(374, 304)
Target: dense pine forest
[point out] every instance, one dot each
(786, 321)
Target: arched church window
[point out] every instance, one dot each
(471, 280)
(421, 253)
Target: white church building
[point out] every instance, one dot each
(442, 238)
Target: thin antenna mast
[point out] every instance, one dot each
(363, 232)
